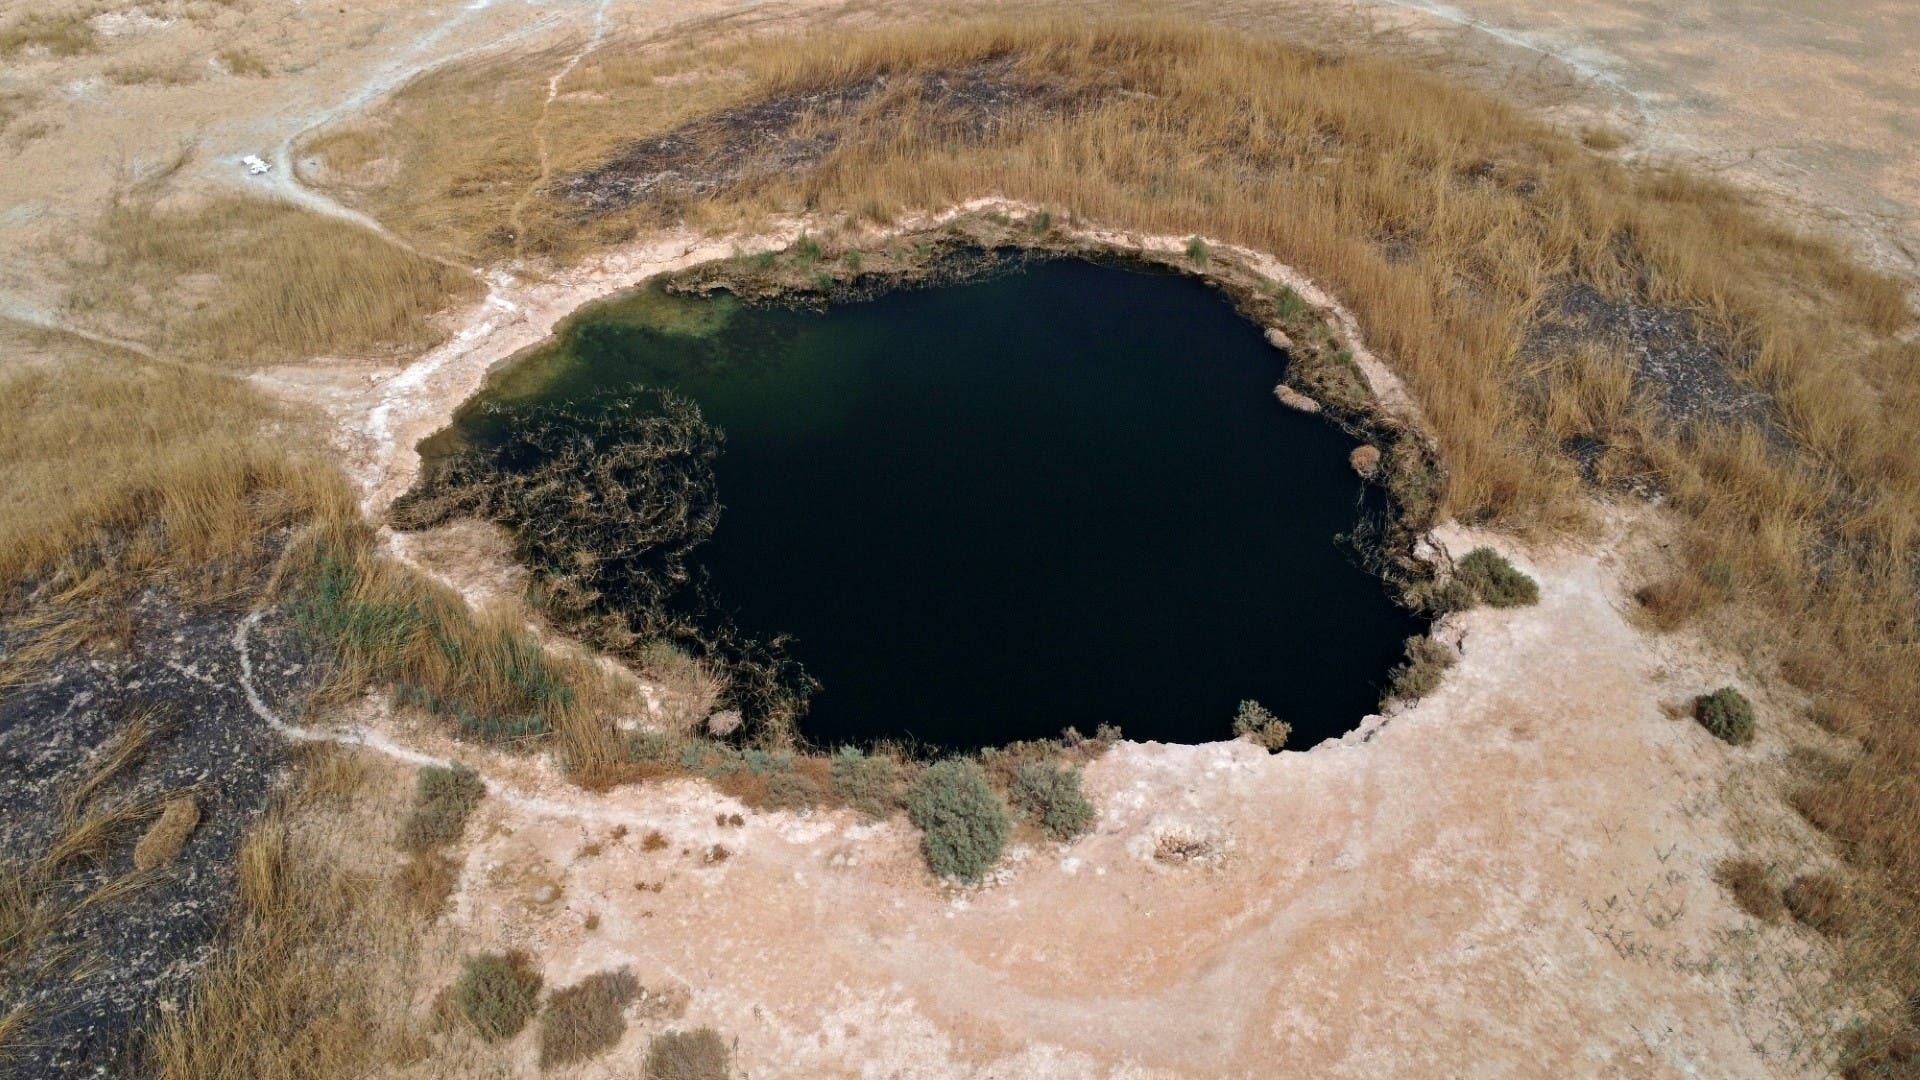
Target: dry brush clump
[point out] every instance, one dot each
(699, 1054)
(497, 993)
(585, 1020)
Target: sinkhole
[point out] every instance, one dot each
(1062, 495)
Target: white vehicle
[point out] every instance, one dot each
(256, 164)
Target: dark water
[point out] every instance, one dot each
(1064, 496)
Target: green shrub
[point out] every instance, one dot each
(443, 800)
(1197, 251)
(700, 1054)
(870, 783)
(1727, 713)
(585, 1019)
(1426, 665)
(1256, 724)
(792, 791)
(1051, 798)
(497, 993)
(1494, 581)
(963, 824)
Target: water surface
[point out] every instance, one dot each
(1059, 497)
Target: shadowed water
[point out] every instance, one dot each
(1059, 497)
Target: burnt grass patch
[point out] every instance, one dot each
(91, 746)
(800, 129)
(1689, 375)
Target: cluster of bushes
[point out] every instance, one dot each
(498, 994)
(965, 822)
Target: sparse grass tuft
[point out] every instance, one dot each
(1051, 798)
(585, 1020)
(700, 1054)
(1727, 714)
(1494, 581)
(963, 824)
(443, 799)
(497, 993)
(1256, 724)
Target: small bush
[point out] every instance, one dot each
(1822, 903)
(497, 993)
(585, 1019)
(1727, 713)
(443, 800)
(1197, 251)
(1746, 881)
(963, 824)
(870, 783)
(1494, 581)
(1260, 727)
(1426, 665)
(806, 250)
(1051, 798)
(792, 791)
(700, 1054)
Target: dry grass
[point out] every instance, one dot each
(1750, 884)
(62, 35)
(161, 72)
(426, 881)
(244, 62)
(312, 980)
(247, 281)
(112, 461)
(163, 839)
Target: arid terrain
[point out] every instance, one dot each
(1515, 875)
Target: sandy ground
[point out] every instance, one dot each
(1511, 879)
